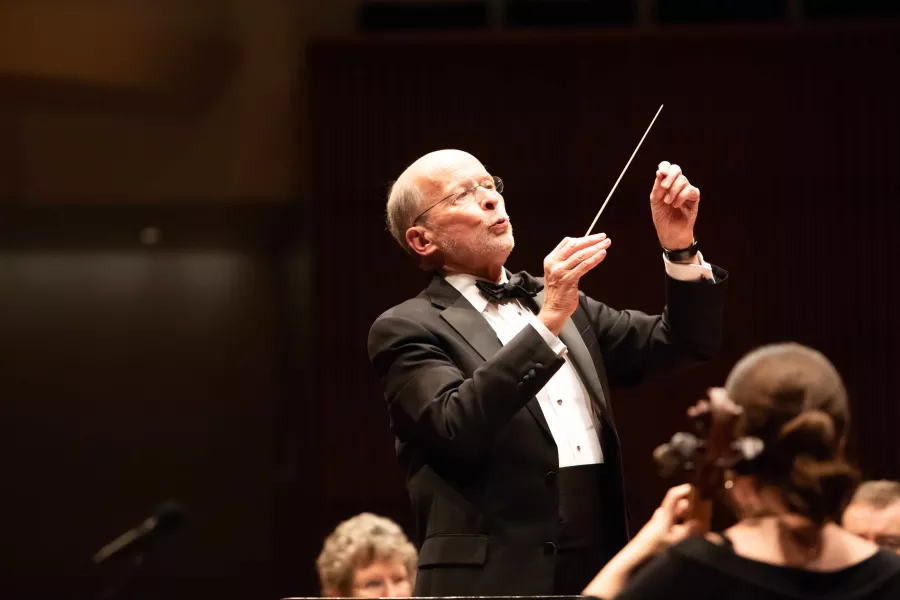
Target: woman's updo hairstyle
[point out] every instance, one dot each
(794, 400)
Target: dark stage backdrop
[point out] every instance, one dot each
(792, 135)
(225, 366)
(132, 374)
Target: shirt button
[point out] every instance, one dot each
(549, 548)
(578, 448)
(559, 401)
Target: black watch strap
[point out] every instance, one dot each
(684, 254)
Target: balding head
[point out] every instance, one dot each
(445, 208)
(417, 187)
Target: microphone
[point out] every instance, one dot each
(168, 516)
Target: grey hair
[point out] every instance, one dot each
(358, 542)
(877, 494)
(404, 200)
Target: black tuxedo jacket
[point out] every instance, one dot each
(477, 451)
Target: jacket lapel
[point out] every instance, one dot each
(470, 324)
(462, 316)
(473, 327)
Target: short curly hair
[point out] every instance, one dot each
(358, 542)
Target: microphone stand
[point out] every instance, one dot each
(118, 565)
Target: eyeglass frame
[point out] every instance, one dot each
(498, 187)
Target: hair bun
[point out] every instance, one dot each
(820, 481)
(811, 433)
(820, 490)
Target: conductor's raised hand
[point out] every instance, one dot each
(563, 269)
(674, 203)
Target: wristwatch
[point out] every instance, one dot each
(683, 254)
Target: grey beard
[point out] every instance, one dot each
(485, 243)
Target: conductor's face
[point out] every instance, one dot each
(462, 221)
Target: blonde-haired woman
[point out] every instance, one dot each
(367, 556)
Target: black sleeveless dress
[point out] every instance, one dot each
(699, 569)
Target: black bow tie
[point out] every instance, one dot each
(520, 285)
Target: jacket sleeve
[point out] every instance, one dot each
(433, 403)
(636, 346)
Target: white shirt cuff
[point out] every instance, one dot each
(691, 272)
(554, 342)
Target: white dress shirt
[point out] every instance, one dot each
(564, 401)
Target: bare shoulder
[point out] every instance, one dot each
(751, 541)
(843, 549)
(840, 548)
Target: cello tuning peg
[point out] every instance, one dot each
(748, 448)
(720, 398)
(699, 409)
(679, 453)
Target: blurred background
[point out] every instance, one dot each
(192, 244)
